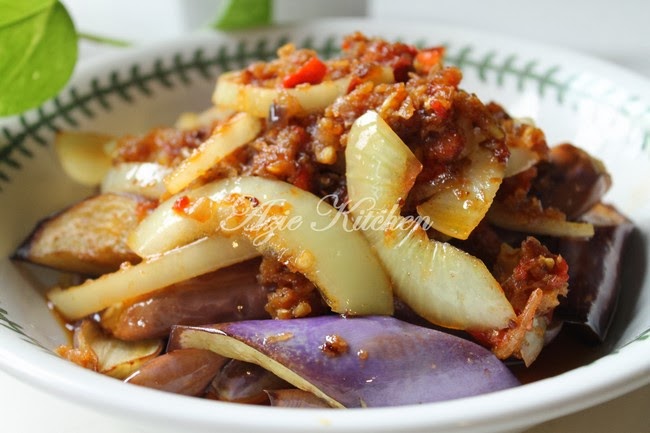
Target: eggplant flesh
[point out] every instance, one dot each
(572, 181)
(244, 382)
(594, 272)
(228, 294)
(88, 237)
(294, 398)
(370, 361)
(186, 372)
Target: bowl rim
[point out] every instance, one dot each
(626, 370)
(516, 407)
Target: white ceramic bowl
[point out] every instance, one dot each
(599, 107)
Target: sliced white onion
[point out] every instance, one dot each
(386, 178)
(167, 228)
(115, 358)
(226, 138)
(142, 178)
(458, 208)
(520, 160)
(284, 221)
(539, 224)
(207, 117)
(203, 256)
(439, 282)
(534, 341)
(84, 156)
(255, 100)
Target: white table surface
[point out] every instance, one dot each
(617, 32)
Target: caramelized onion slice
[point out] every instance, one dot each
(226, 138)
(293, 225)
(383, 181)
(193, 120)
(438, 281)
(198, 258)
(141, 178)
(520, 160)
(84, 156)
(539, 223)
(256, 100)
(534, 341)
(115, 358)
(462, 204)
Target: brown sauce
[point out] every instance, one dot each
(566, 352)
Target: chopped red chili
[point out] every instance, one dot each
(428, 58)
(439, 108)
(311, 72)
(181, 204)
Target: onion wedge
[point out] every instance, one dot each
(520, 160)
(293, 225)
(84, 156)
(192, 120)
(142, 178)
(460, 206)
(539, 223)
(441, 283)
(383, 181)
(198, 258)
(256, 101)
(226, 138)
(534, 341)
(115, 358)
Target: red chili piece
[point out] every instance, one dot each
(428, 58)
(439, 108)
(181, 204)
(311, 72)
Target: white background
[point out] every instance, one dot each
(615, 31)
(618, 31)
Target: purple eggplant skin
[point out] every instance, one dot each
(369, 361)
(229, 294)
(185, 371)
(595, 273)
(294, 398)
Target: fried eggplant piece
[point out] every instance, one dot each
(225, 295)
(572, 180)
(595, 272)
(87, 238)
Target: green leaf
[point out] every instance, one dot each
(13, 10)
(38, 48)
(241, 14)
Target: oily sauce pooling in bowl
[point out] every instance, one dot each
(366, 197)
